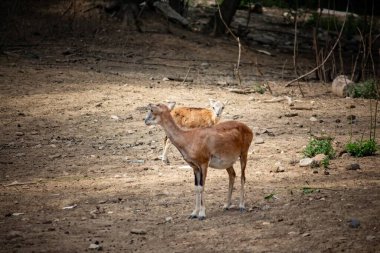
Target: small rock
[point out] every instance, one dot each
(138, 231)
(114, 117)
(169, 219)
(222, 83)
(306, 162)
(326, 172)
(313, 119)
(95, 246)
(138, 161)
(353, 166)
(259, 140)
(370, 237)
(33, 133)
(19, 133)
(205, 64)
(279, 167)
(165, 79)
(305, 234)
(354, 223)
(318, 159)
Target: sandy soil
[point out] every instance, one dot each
(79, 167)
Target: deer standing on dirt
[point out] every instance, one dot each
(193, 117)
(218, 146)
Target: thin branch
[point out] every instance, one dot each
(236, 38)
(328, 56)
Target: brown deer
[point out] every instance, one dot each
(218, 146)
(193, 117)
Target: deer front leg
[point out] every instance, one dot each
(197, 191)
(200, 209)
(232, 176)
(164, 157)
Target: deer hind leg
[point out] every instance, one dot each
(164, 157)
(232, 176)
(243, 164)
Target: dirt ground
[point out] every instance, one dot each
(79, 168)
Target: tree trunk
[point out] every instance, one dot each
(228, 9)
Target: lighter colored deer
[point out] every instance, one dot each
(218, 146)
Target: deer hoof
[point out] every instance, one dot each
(201, 217)
(242, 209)
(192, 216)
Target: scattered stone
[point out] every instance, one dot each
(313, 119)
(315, 171)
(95, 246)
(353, 166)
(341, 86)
(305, 162)
(114, 117)
(350, 106)
(19, 133)
(222, 83)
(138, 161)
(279, 167)
(169, 219)
(305, 234)
(205, 64)
(318, 159)
(354, 223)
(370, 237)
(326, 172)
(165, 79)
(337, 121)
(259, 140)
(33, 133)
(138, 231)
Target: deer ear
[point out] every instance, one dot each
(171, 105)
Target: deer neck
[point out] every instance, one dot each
(172, 130)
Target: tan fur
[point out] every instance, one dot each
(190, 117)
(218, 146)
